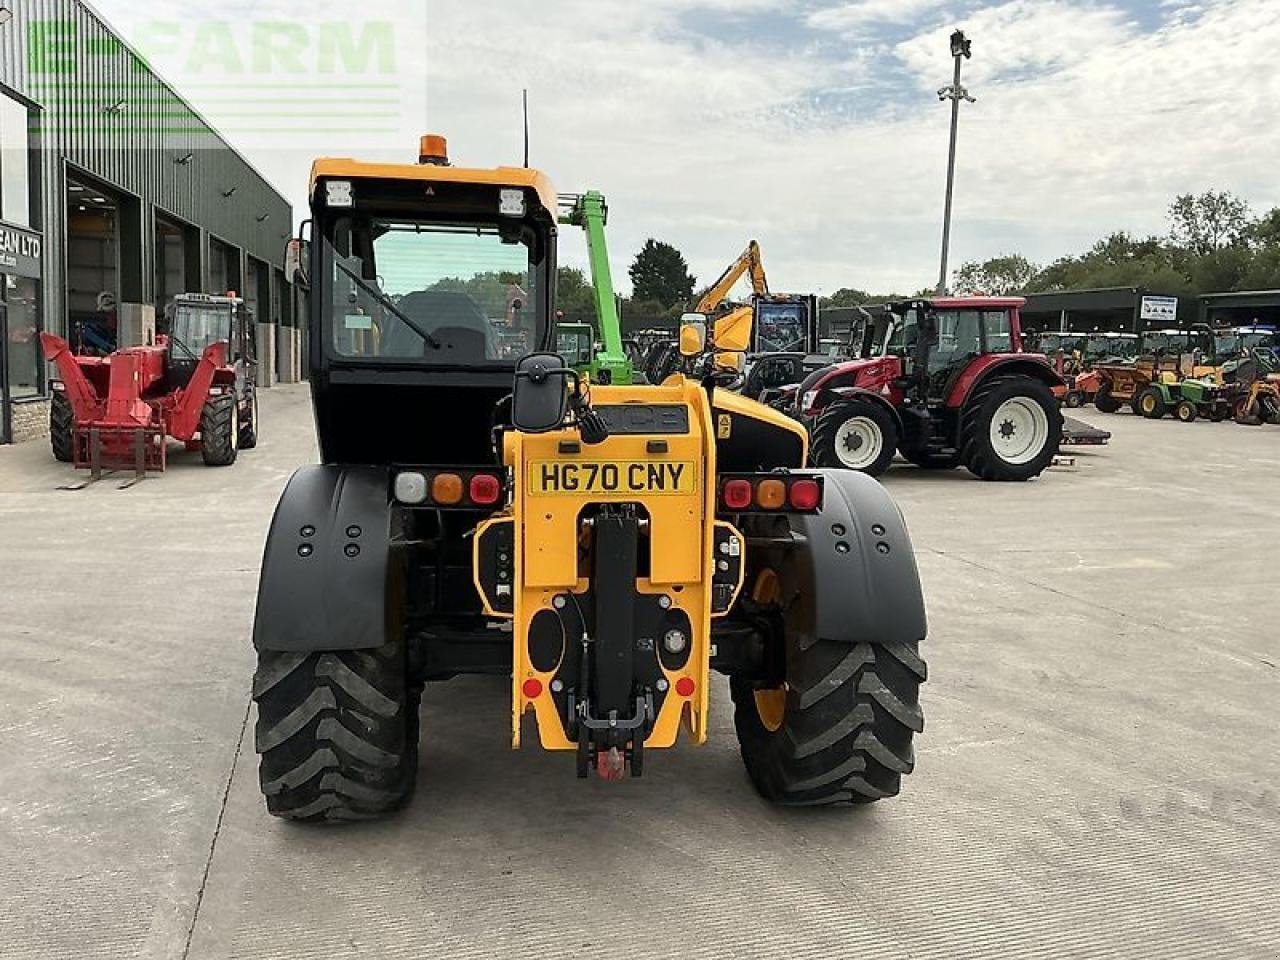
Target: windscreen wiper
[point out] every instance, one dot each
(383, 299)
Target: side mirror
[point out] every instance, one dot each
(295, 258)
(733, 331)
(693, 334)
(539, 401)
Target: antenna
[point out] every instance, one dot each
(525, 94)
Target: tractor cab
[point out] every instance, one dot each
(1110, 348)
(430, 281)
(785, 323)
(935, 340)
(195, 322)
(1239, 341)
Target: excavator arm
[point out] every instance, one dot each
(749, 261)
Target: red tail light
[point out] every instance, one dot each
(805, 495)
(776, 492)
(736, 494)
(531, 688)
(485, 489)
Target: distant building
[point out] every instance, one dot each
(113, 190)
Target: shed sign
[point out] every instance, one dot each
(1163, 309)
(19, 251)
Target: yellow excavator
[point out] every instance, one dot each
(780, 322)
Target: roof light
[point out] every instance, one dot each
(511, 203)
(339, 193)
(433, 149)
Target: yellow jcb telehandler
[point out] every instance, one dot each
(481, 509)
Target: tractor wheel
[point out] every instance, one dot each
(1241, 413)
(249, 424)
(1074, 399)
(62, 428)
(337, 733)
(927, 460)
(1011, 429)
(842, 736)
(1269, 408)
(1186, 411)
(1219, 412)
(220, 431)
(1104, 401)
(1150, 404)
(855, 435)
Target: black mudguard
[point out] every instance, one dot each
(853, 577)
(327, 570)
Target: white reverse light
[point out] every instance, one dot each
(411, 487)
(511, 203)
(339, 193)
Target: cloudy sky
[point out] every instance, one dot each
(812, 125)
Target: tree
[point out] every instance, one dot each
(1206, 222)
(575, 297)
(660, 273)
(1265, 230)
(998, 276)
(847, 297)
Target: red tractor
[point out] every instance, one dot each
(195, 384)
(946, 383)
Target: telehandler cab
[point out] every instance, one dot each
(606, 547)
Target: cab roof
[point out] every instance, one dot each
(343, 168)
(960, 303)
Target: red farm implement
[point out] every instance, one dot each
(117, 412)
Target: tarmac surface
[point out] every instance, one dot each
(1099, 774)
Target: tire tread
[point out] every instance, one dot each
(336, 733)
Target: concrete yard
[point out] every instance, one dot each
(1099, 774)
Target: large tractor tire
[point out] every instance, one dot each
(220, 431)
(1104, 401)
(838, 728)
(854, 435)
(1151, 404)
(62, 428)
(1011, 429)
(249, 424)
(337, 733)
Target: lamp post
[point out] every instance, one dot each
(961, 49)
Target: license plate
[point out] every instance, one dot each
(579, 477)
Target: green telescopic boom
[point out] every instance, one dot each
(590, 212)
